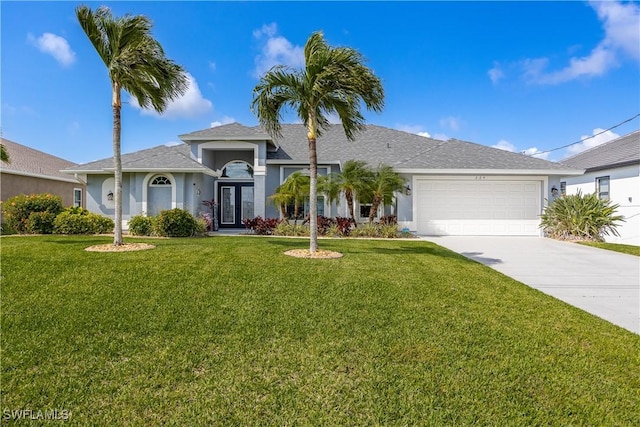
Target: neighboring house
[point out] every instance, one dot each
(454, 187)
(612, 170)
(31, 171)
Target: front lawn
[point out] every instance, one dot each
(617, 247)
(229, 331)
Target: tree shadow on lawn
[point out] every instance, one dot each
(419, 248)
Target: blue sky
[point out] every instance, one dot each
(522, 76)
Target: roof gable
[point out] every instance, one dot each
(162, 157)
(232, 131)
(618, 152)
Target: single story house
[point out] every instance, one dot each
(612, 170)
(31, 171)
(454, 187)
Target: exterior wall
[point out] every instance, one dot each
(14, 184)
(624, 190)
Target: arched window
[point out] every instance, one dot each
(160, 181)
(237, 169)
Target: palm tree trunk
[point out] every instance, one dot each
(117, 127)
(348, 194)
(313, 187)
(374, 208)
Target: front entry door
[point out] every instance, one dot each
(236, 203)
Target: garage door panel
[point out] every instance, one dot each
(478, 208)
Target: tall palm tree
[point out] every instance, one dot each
(4, 155)
(137, 64)
(381, 190)
(333, 80)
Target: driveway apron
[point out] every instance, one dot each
(601, 282)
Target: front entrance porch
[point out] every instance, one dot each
(236, 203)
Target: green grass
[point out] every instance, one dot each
(229, 331)
(617, 247)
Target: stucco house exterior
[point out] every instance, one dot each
(454, 187)
(612, 170)
(32, 171)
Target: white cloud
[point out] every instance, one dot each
(533, 151)
(620, 22)
(191, 104)
(275, 50)
(505, 145)
(590, 141)
(172, 143)
(452, 123)
(441, 137)
(212, 66)
(496, 74)
(417, 129)
(73, 127)
(224, 121)
(54, 45)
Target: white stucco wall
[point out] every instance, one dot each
(624, 190)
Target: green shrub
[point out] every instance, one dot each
(17, 210)
(578, 217)
(176, 223)
(40, 223)
(285, 228)
(141, 225)
(81, 221)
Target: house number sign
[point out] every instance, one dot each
(478, 178)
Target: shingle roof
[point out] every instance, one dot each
(227, 132)
(376, 144)
(26, 160)
(403, 150)
(177, 157)
(618, 152)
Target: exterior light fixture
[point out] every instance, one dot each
(554, 191)
(110, 196)
(407, 190)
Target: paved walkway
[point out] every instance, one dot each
(601, 282)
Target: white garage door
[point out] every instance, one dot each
(478, 208)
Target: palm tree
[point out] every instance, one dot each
(381, 190)
(4, 155)
(137, 64)
(334, 80)
(294, 189)
(355, 179)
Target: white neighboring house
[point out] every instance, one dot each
(612, 170)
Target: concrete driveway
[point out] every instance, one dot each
(601, 282)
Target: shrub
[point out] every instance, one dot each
(388, 220)
(261, 226)
(17, 210)
(344, 225)
(141, 225)
(40, 223)
(324, 223)
(578, 217)
(176, 223)
(285, 228)
(80, 221)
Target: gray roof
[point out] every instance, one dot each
(176, 158)
(403, 150)
(232, 131)
(376, 144)
(619, 152)
(28, 161)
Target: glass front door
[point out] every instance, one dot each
(236, 203)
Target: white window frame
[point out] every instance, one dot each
(603, 195)
(75, 202)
